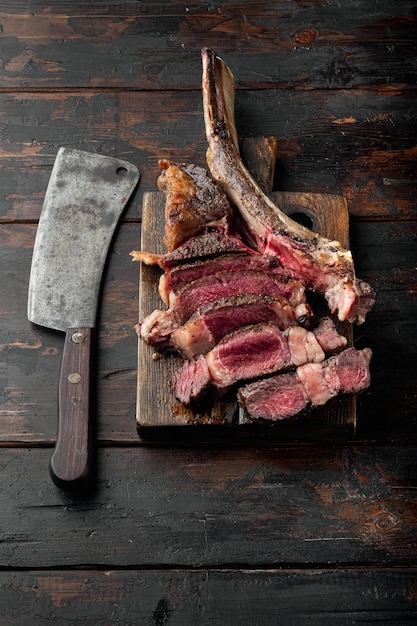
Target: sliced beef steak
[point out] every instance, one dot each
(236, 274)
(192, 381)
(258, 350)
(210, 323)
(201, 292)
(183, 274)
(249, 352)
(278, 397)
(311, 385)
(215, 320)
(322, 265)
(328, 337)
(216, 241)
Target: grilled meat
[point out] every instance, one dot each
(322, 265)
(249, 352)
(216, 241)
(204, 300)
(311, 385)
(328, 337)
(202, 291)
(215, 320)
(235, 277)
(192, 202)
(176, 277)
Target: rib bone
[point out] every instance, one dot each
(323, 265)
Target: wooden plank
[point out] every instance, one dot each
(212, 506)
(336, 597)
(170, 8)
(357, 143)
(156, 46)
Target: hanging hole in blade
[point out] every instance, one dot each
(121, 171)
(301, 218)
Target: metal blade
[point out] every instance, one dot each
(84, 200)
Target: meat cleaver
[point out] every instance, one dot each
(84, 200)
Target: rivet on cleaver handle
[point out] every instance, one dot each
(85, 198)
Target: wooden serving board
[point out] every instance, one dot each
(157, 407)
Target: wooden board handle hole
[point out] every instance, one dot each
(302, 218)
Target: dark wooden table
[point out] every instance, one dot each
(210, 532)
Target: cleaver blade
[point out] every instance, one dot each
(84, 200)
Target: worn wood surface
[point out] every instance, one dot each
(210, 597)
(218, 531)
(215, 506)
(359, 143)
(147, 45)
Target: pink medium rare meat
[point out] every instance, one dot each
(323, 265)
(212, 322)
(313, 384)
(249, 352)
(191, 381)
(328, 337)
(202, 291)
(162, 329)
(186, 273)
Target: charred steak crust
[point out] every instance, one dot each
(208, 245)
(192, 201)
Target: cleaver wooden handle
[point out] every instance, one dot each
(70, 465)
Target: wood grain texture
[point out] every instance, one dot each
(156, 46)
(357, 143)
(261, 597)
(215, 506)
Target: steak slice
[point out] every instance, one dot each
(193, 201)
(162, 330)
(249, 352)
(274, 398)
(216, 241)
(313, 384)
(191, 382)
(187, 300)
(183, 274)
(157, 328)
(323, 265)
(328, 337)
(215, 320)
